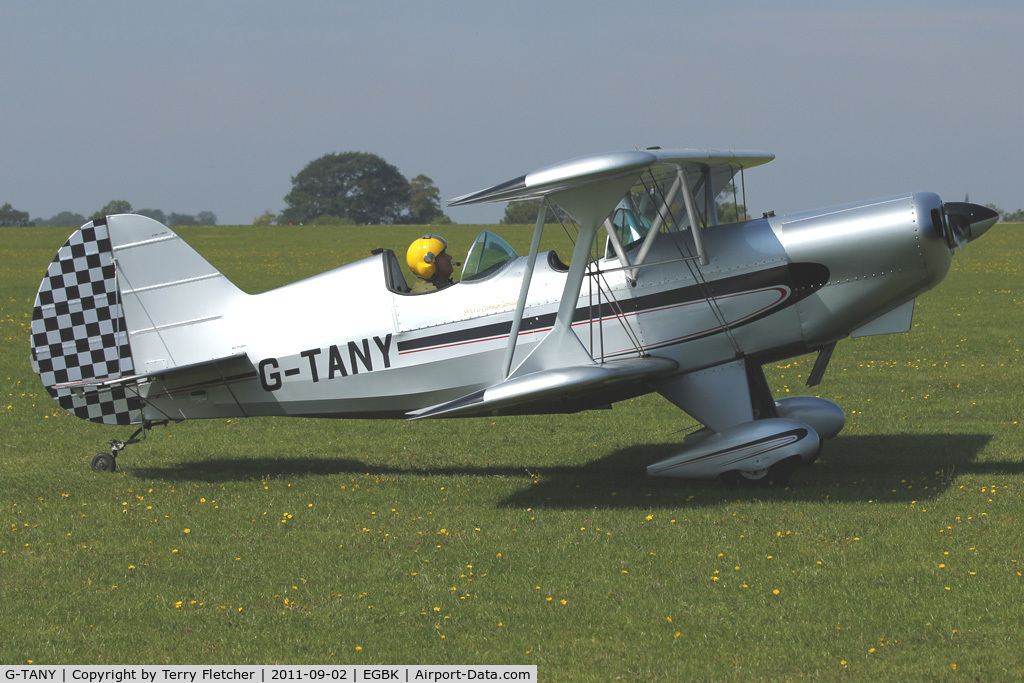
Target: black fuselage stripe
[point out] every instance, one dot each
(802, 279)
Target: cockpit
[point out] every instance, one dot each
(488, 256)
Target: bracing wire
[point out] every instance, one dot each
(604, 289)
(696, 273)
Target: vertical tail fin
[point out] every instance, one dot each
(124, 296)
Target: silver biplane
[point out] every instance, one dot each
(132, 326)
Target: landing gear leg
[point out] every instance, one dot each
(107, 462)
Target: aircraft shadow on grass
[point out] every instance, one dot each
(880, 468)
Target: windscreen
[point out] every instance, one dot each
(487, 255)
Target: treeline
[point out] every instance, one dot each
(351, 188)
(12, 218)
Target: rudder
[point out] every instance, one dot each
(79, 332)
(125, 296)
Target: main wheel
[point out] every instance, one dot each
(775, 475)
(103, 462)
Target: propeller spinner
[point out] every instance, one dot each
(968, 221)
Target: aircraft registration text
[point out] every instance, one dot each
(332, 362)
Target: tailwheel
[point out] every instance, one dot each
(104, 462)
(107, 462)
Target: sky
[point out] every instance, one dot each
(215, 105)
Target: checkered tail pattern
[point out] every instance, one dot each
(79, 333)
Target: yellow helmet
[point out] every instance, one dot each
(422, 254)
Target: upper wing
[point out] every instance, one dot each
(578, 173)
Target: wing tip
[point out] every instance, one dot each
(491, 194)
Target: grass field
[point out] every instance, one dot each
(532, 540)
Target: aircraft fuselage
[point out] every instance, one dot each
(773, 288)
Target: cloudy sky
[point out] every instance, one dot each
(215, 105)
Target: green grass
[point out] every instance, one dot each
(533, 540)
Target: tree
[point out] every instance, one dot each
(525, 212)
(730, 210)
(206, 218)
(113, 207)
(179, 219)
(358, 186)
(425, 201)
(67, 219)
(265, 218)
(12, 218)
(732, 213)
(155, 214)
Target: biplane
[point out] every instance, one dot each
(132, 327)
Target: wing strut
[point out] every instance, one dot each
(665, 210)
(591, 204)
(524, 289)
(680, 185)
(620, 251)
(691, 211)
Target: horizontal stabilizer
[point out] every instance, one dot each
(573, 388)
(131, 380)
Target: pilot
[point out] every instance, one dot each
(429, 260)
